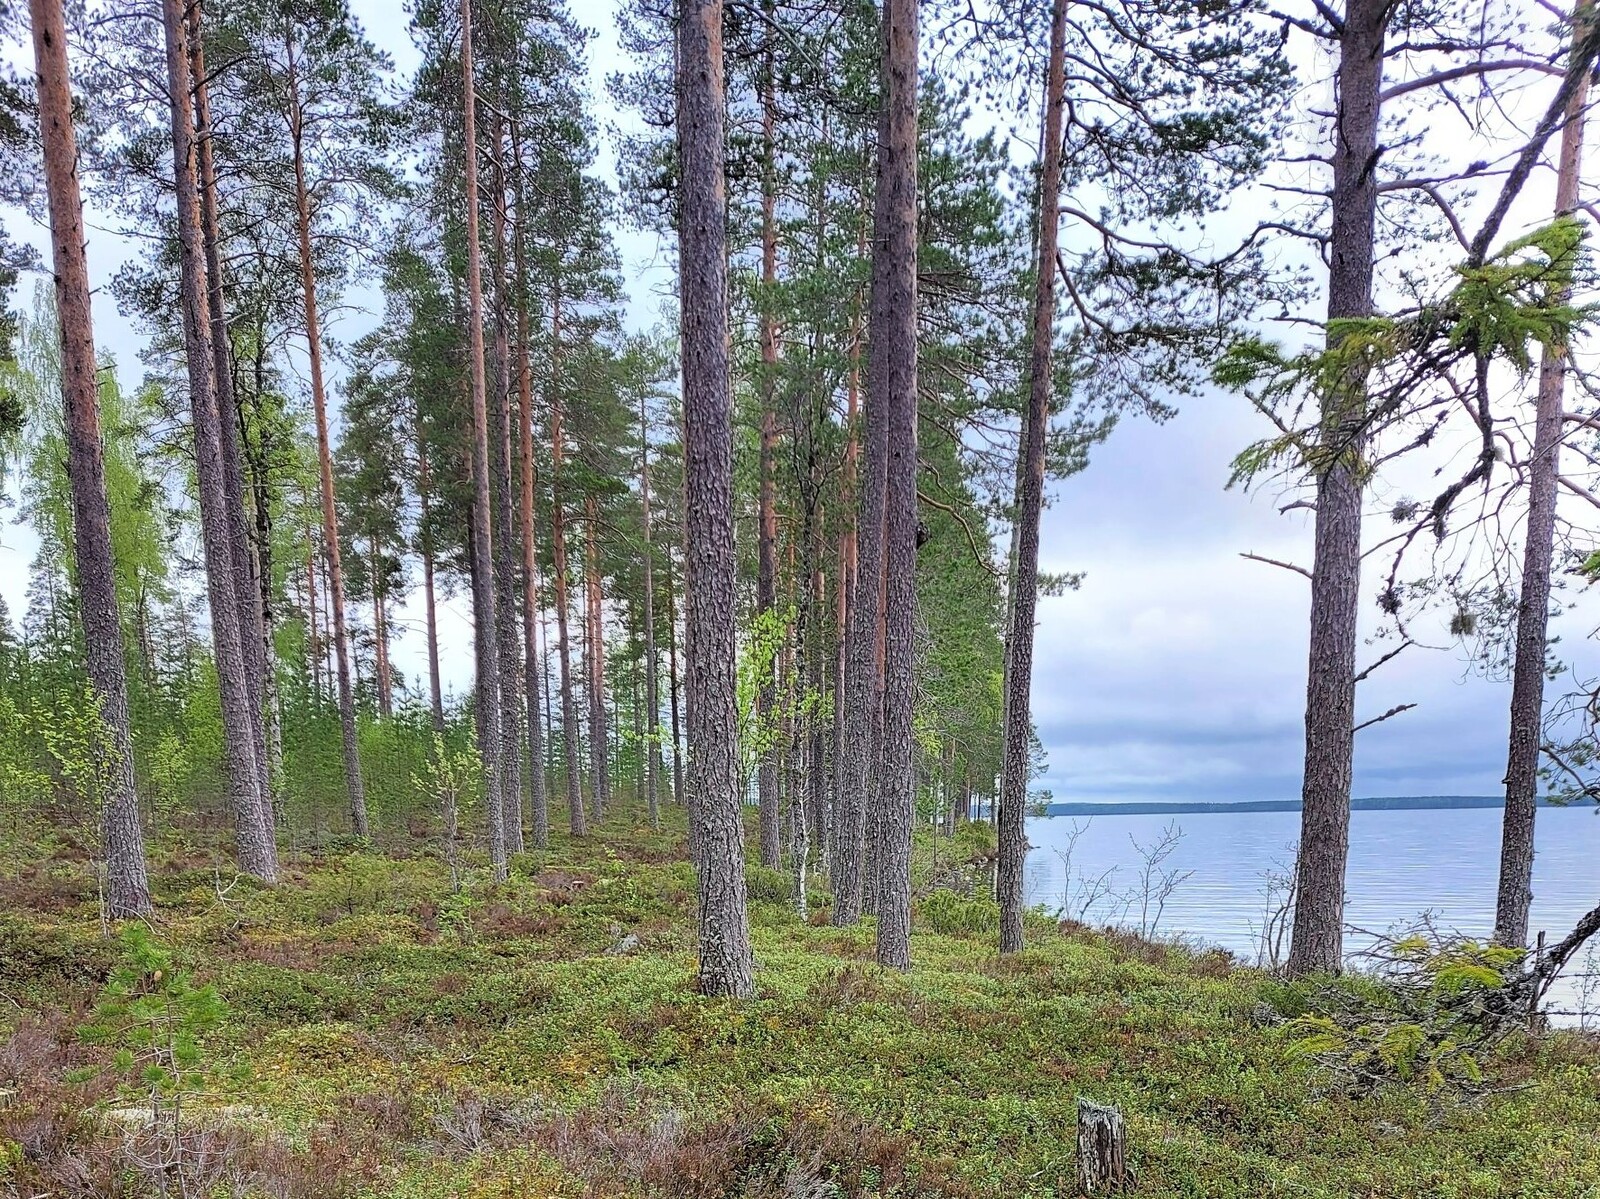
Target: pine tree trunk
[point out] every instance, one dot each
(313, 638)
(894, 350)
(483, 590)
(122, 838)
(766, 570)
(817, 774)
(380, 632)
(558, 543)
(1515, 893)
(594, 660)
(354, 786)
(538, 794)
(791, 682)
(430, 602)
(1318, 938)
(864, 650)
(848, 830)
(261, 492)
(506, 553)
(709, 583)
(651, 745)
(257, 851)
(257, 651)
(1030, 500)
(672, 687)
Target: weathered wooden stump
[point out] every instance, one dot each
(1102, 1150)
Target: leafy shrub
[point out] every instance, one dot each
(946, 912)
(32, 954)
(766, 885)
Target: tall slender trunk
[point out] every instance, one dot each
(257, 651)
(713, 785)
(544, 677)
(816, 801)
(558, 544)
(767, 769)
(1030, 500)
(594, 660)
(1318, 938)
(122, 839)
(538, 794)
(313, 637)
(791, 682)
(354, 785)
(894, 349)
(1515, 892)
(506, 552)
(864, 649)
(483, 597)
(261, 492)
(430, 603)
(380, 632)
(650, 746)
(672, 687)
(871, 875)
(258, 854)
(848, 830)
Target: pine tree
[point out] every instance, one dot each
(1025, 570)
(122, 837)
(892, 384)
(712, 784)
(257, 850)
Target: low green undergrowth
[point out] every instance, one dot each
(365, 1030)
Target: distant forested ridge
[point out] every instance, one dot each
(1375, 803)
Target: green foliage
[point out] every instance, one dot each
(764, 884)
(960, 915)
(153, 1014)
(370, 1005)
(1373, 370)
(80, 745)
(1424, 1021)
(760, 733)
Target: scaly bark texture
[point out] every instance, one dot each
(1515, 893)
(539, 799)
(715, 803)
(430, 602)
(258, 853)
(1318, 938)
(672, 687)
(506, 554)
(894, 347)
(354, 786)
(652, 699)
(1030, 499)
(767, 525)
(863, 693)
(483, 605)
(845, 859)
(578, 819)
(594, 663)
(254, 642)
(122, 839)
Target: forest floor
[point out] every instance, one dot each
(379, 1035)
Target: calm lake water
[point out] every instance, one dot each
(1402, 864)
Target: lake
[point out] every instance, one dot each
(1402, 864)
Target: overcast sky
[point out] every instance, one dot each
(1176, 671)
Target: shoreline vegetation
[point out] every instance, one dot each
(364, 1029)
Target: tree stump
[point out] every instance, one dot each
(1102, 1150)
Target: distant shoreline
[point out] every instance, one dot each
(1378, 803)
